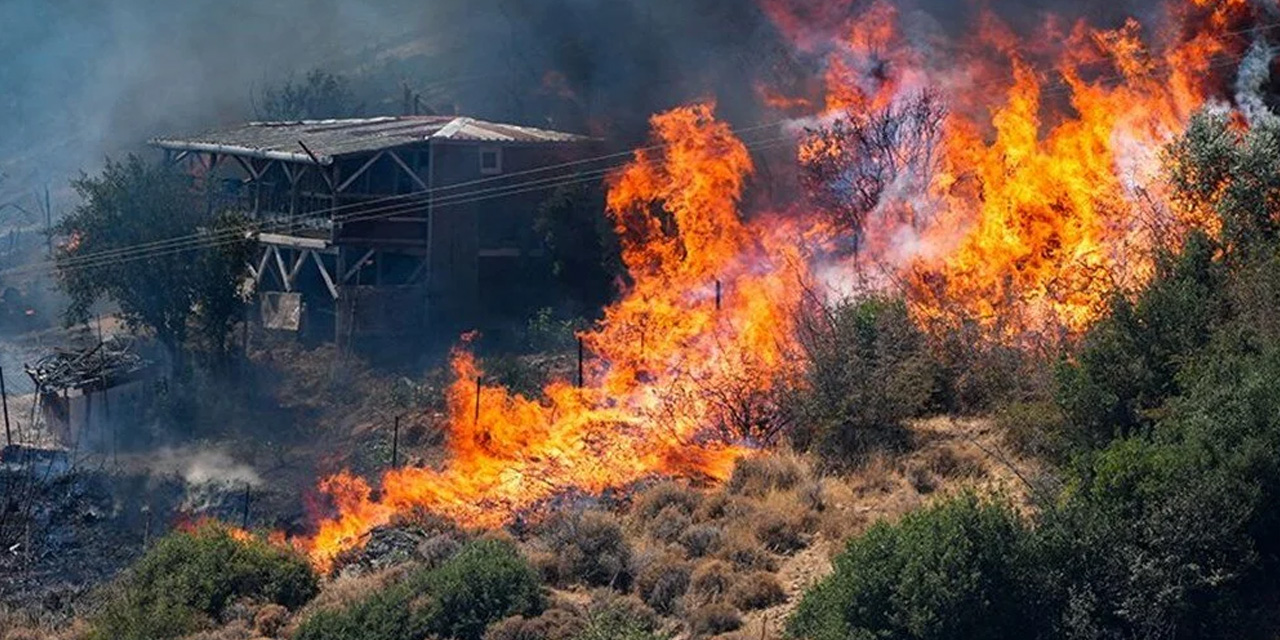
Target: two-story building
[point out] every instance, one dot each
(381, 230)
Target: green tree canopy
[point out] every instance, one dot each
(116, 250)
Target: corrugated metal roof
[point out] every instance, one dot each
(329, 139)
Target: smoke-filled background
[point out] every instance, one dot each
(81, 80)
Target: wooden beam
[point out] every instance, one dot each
(284, 277)
(346, 277)
(262, 264)
(395, 156)
(297, 266)
(359, 172)
(295, 242)
(324, 273)
(422, 267)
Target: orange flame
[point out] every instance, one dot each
(1041, 198)
(1047, 198)
(662, 356)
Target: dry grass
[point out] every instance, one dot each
(756, 477)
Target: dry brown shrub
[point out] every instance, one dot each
(701, 539)
(344, 591)
(756, 477)
(709, 583)
(714, 506)
(921, 478)
(757, 590)
(554, 624)
(662, 580)
(669, 523)
(270, 619)
(589, 547)
(743, 551)
(660, 496)
(812, 496)
(714, 619)
(781, 532)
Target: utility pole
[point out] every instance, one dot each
(395, 445)
(48, 221)
(4, 398)
(244, 520)
(580, 377)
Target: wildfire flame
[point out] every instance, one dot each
(706, 310)
(1041, 202)
(1019, 191)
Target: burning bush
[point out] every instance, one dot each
(188, 579)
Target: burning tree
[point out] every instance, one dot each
(875, 164)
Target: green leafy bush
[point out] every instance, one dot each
(867, 370)
(188, 579)
(955, 570)
(486, 581)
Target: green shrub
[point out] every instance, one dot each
(955, 570)
(1037, 429)
(486, 581)
(1129, 362)
(867, 370)
(187, 580)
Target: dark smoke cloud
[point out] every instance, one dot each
(82, 79)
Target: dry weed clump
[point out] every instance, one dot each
(669, 524)
(701, 540)
(553, 624)
(756, 477)
(662, 580)
(952, 464)
(660, 496)
(743, 551)
(589, 548)
(757, 590)
(269, 620)
(709, 583)
(346, 590)
(714, 619)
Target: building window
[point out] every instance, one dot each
(490, 160)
